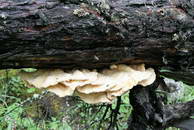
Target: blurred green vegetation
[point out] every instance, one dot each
(32, 109)
(23, 108)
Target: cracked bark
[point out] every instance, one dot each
(95, 34)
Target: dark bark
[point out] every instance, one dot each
(92, 34)
(150, 113)
(185, 76)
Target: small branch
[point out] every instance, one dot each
(177, 112)
(186, 77)
(114, 114)
(104, 115)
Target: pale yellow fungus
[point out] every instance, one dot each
(92, 86)
(94, 98)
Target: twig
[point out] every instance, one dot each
(104, 115)
(114, 114)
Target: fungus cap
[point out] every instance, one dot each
(92, 86)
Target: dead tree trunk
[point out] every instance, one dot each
(96, 33)
(150, 113)
(93, 33)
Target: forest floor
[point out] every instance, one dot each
(23, 108)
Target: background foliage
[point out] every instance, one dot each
(24, 108)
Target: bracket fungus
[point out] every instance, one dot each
(91, 86)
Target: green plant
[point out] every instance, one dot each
(15, 98)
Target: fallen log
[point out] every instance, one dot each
(94, 34)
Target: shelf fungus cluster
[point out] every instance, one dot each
(91, 86)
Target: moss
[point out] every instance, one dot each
(175, 37)
(103, 4)
(80, 12)
(3, 16)
(46, 107)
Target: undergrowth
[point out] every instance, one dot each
(27, 108)
(23, 108)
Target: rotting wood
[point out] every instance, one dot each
(94, 34)
(151, 113)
